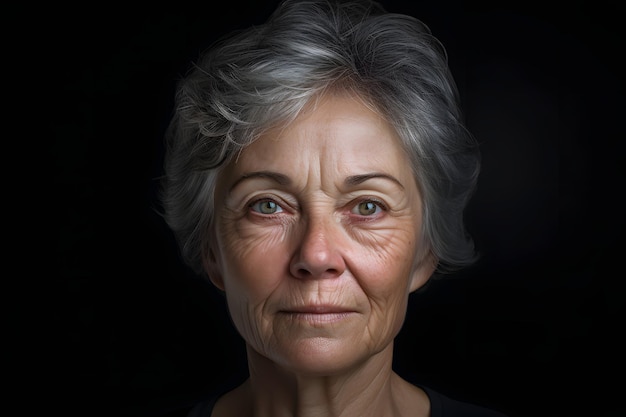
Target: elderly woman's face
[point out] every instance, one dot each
(316, 235)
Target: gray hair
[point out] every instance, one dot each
(265, 75)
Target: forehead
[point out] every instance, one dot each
(335, 137)
(342, 124)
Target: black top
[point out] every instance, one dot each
(440, 406)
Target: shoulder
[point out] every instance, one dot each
(443, 406)
(225, 402)
(203, 408)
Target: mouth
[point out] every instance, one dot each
(318, 314)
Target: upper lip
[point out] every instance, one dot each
(317, 309)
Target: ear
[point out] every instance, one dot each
(423, 271)
(212, 268)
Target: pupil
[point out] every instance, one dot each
(368, 207)
(268, 207)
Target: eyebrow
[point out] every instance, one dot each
(355, 180)
(280, 179)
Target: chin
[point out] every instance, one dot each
(321, 356)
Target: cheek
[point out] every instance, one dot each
(253, 265)
(389, 262)
(254, 260)
(385, 277)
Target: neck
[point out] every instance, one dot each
(368, 389)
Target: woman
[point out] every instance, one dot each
(317, 170)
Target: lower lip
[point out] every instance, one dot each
(318, 318)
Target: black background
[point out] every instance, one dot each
(533, 329)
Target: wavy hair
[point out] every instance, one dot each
(254, 79)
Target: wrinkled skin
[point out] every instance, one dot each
(315, 239)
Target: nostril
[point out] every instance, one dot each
(303, 272)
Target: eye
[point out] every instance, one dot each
(367, 208)
(265, 207)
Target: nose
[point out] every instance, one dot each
(318, 254)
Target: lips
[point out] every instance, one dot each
(317, 315)
(317, 309)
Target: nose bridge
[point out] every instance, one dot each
(318, 253)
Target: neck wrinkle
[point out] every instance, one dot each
(365, 390)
